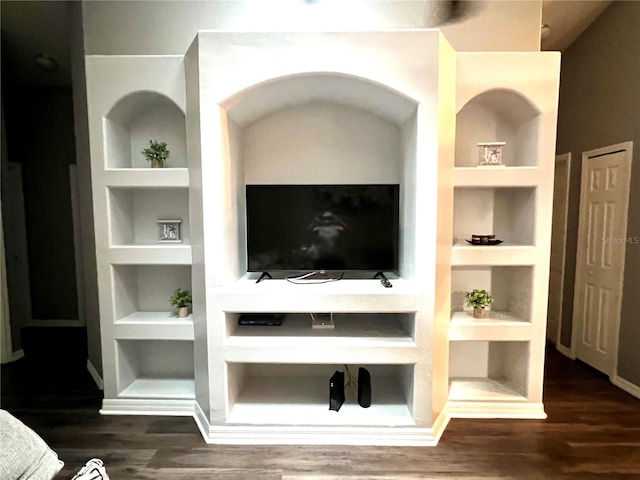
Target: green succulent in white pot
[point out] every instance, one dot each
(156, 153)
(181, 299)
(479, 300)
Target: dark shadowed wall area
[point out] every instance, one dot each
(39, 128)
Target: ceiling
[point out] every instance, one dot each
(567, 19)
(30, 28)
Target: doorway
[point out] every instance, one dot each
(604, 200)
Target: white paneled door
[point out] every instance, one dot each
(604, 199)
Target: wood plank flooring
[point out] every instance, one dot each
(592, 432)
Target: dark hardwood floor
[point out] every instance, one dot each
(592, 431)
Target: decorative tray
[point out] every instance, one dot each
(486, 243)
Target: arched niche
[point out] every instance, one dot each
(320, 128)
(498, 115)
(137, 118)
(257, 101)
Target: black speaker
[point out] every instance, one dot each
(336, 391)
(364, 387)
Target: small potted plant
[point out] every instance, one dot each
(181, 299)
(156, 153)
(479, 300)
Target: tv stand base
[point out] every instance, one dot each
(263, 276)
(383, 279)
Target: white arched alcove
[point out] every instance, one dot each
(328, 108)
(321, 128)
(499, 115)
(322, 143)
(138, 118)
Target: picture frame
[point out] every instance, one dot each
(490, 154)
(169, 231)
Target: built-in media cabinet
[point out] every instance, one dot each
(334, 109)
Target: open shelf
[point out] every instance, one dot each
(134, 212)
(147, 177)
(488, 370)
(160, 388)
(349, 328)
(154, 326)
(137, 118)
(356, 337)
(496, 176)
(495, 326)
(344, 296)
(481, 390)
(509, 213)
(276, 394)
(147, 288)
(503, 254)
(155, 369)
(511, 288)
(498, 115)
(160, 254)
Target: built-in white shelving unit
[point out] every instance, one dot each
(322, 108)
(148, 351)
(268, 391)
(496, 363)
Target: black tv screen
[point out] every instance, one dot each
(322, 227)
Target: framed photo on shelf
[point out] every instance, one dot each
(169, 231)
(490, 154)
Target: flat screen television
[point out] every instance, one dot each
(339, 228)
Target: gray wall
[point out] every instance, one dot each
(600, 106)
(39, 128)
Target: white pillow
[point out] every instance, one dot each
(23, 454)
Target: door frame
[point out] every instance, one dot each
(566, 158)
(626, 147)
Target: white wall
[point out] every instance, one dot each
(322, 143)
(168, 27)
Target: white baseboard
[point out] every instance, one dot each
(17, 355)
(316, 435)
(95, 375)
(626, 385)
(146, 406)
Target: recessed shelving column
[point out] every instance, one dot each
(148, 351)
(496, 363)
